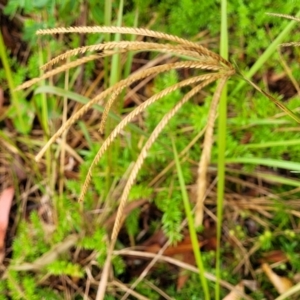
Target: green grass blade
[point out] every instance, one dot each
(272, 144)
(84, 100)
(267, 177)
(128, 64)
(107, 22)
(278, 179)
(265, 56)
(44, 104)
(86, 134)
(116, 58)
(14, 94)
(45, 122)
(275, 101)
(222, 127)
(191, 224)
(273, 163)
(115, 76)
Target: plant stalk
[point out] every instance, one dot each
(221, 147)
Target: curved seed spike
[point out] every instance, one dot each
(115, 29)
(120, 85)
(83, 60)
(51, 73)
(73, 119)
(206, 153)
(157, 70)
(144, 152)
(131, 116)
(284, 16)
(136, 31)
(125, 46)
(291, 44)
(59, 57)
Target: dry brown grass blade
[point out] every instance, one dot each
(281, 284)
(144, 151)
(233, 294)
(206, 153)
(118, 86)
(289, 72)
(182, 265)
(280, 105)
(162, 293)
(49, 256)
(126, 289)
(128, 46)
(104, 276)
(147, 269)
(58, 70)
(136, 31)
(130, 117)
(211, 65)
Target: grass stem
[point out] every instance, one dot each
(191, 224)
(221, 147)
(9, 77)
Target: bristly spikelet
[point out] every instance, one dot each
(135, 31)
(213, 67)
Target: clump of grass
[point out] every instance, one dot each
(211, 66)
(215, 67)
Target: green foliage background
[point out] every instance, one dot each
(251, 31)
